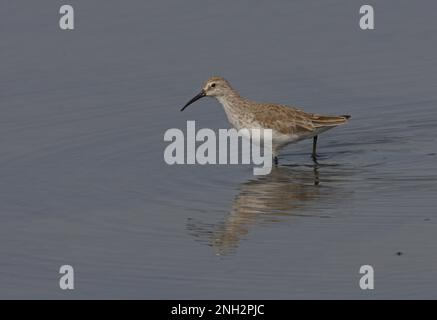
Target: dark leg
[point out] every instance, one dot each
(314, 156)
(275, 160)
(316, 176)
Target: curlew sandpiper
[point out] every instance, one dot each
(288, 124)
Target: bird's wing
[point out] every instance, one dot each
(291, 120)
(284, 119)
(320, 121)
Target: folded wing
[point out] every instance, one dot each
(290, 120)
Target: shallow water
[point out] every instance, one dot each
(82, 176)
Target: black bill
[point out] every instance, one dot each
(199, 96)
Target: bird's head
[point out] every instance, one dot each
(213, 87)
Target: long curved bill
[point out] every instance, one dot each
(199, 96)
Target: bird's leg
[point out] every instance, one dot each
(275, 156)
(314, 155)
(316, 176)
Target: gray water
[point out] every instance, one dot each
(83, 181)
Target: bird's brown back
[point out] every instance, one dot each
(291, 120)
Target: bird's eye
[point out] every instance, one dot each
(212, 85)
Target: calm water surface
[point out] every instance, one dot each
(82, 176)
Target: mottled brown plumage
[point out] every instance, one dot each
(291, 120)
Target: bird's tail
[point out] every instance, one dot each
(329, 121)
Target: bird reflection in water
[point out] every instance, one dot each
(284, 193)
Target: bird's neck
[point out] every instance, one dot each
(231, 101)
(234, 106)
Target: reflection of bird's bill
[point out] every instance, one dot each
(197, 97)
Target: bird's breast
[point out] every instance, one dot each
(237, 116)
